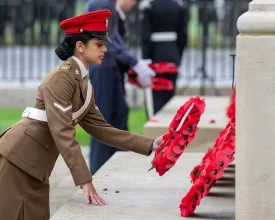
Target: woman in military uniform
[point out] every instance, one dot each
(65, 98)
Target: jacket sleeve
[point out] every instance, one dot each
(57, 96)
(94, 124)
(118, 50)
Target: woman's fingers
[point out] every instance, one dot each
(96, 199)
(93, 199)
(102, 202)
(92, 196)
(88, 198)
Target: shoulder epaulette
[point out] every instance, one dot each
(65, 66)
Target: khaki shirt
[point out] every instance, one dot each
(34, 145)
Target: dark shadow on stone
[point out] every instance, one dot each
(227, 179)
(229, 171)
(229, 215)
(225, 184)
(222, 194)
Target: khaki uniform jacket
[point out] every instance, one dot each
(34, 145)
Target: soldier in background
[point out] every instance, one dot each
(63, 9)
(18, 13)
(163, 38)
(107, 78)
(43, 14)
(3, 21)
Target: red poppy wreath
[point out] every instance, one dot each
(181, 132)
(205, 175)
(159, 84)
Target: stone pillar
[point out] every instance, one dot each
(255, 125)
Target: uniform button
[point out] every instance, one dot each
(75, 121)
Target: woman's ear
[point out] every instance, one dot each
(79, 46)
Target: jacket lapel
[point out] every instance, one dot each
(78, 76)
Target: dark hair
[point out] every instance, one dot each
(66, 48)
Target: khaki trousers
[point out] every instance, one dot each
(22, 197)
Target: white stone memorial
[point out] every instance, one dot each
(255, 105)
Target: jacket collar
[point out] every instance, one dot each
(83, 70)
(121, 13)
(79, 74)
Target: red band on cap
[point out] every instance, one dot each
(96, 21)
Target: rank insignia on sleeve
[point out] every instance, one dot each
(61, 108)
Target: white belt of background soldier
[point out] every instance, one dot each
(164, 36)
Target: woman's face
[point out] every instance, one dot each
(93, 52)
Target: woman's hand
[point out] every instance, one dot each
(91, 195)
(157, 142)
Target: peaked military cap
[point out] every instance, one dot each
(95, 22)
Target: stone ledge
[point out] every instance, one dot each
(145, 195)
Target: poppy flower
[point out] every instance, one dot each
(187, 205)
(212, 121)
(153, 120)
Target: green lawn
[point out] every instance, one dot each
(137, 118)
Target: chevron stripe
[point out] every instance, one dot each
(61, 108)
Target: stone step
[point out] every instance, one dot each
(132, 193)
